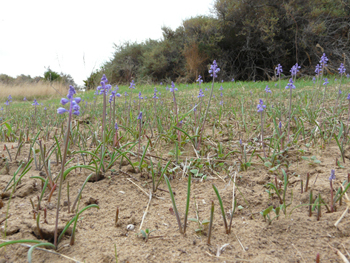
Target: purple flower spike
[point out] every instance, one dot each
(267, 89)
(132, 85)
(214, 70)
(140, 96)
(232, 79)
(221, 88)
(104, 78)
(325, 82)
(342, 69)
(74, 107)
(332, 177)
(323, 60)
(279, 70)
(139, 117)
(116, 127)
(290, 85)
(318, 69)
(348, 97)
(71, 92)
(199, 80)
(35, 103)
(173, 89)
(280, 125)
(295, 69)
(24, 99)
(261, 106)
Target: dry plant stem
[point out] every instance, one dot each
(61, 176)
(341, 255)
(116, 216)
(298, 252)
(145, 213)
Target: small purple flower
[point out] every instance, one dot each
(35, 103)
(267, 89)
(132, 85)
(155, 94)
(24, 99)
(199, 80)
(261, 106)
(325, 82)
(341, 69)
(104, 78)
(161, 83)
(201, 94)
(280, 125)
(295, 69)
(279, 70)
(221, 88)
(348, 75)
(240, 142)
(340, 92)
(125, 94)
(64, 101)
(139, 117)
(323, 60)
(290, 85)
(214, 70)
(116, 126)
(221, 94)
(221, 102)
(332, 177)
(61, 110)
(314, 80)
(10, 98)
(318, 69)
(74, 107)
(140, 97)
(348, 97)
(232, 79)
(7, 103)
(173, 89)
(45, 108)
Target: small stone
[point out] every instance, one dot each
(130, 227)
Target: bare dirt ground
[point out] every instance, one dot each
(294, 237)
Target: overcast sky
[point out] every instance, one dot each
(76, 37)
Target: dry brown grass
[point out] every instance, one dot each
(40, 89)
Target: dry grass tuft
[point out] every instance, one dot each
(41, 89)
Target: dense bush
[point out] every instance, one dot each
(247, 38)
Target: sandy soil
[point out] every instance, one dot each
(294, 237)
